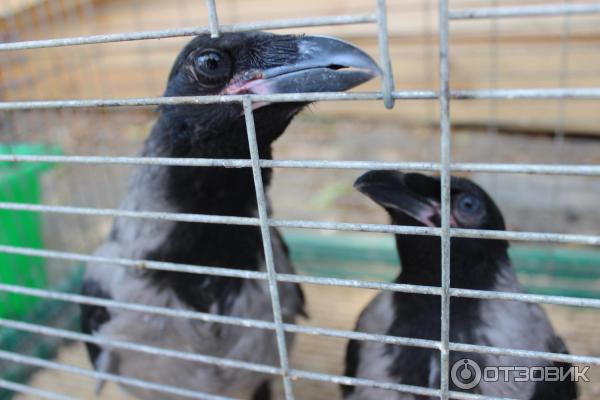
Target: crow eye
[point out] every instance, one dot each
(212, 67)
(469, 204)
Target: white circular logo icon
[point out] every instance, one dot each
(465, 373)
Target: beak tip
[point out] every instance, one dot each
(358, 185)
(375, 70)
(339, 51)
(366, 179)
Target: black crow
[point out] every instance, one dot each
(414, 199)
(235, 63)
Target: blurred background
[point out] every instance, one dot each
(537, 52)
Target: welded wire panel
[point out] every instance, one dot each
(377, 15)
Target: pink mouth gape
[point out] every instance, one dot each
(436, 210)
(248, 83)
(245, 83)
(426, 216)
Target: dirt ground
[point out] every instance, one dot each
(532, 203)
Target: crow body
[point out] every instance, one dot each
(483, 264)
(248, 63)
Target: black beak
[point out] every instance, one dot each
(414, 195)
(324, 64)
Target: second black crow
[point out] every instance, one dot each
(240, 63)
(414, 199)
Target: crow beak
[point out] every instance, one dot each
(324, 64)
(414, 195)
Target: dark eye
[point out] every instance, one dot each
(212, 67)
(469, 204)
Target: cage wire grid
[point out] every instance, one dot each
(388, 95)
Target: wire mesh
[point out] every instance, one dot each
(388, 95)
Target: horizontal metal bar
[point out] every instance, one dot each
(297, 328)
(38, 362)
(136, 307)
(507, 94)
(346, 380)
(358, 284)
(195, 357)
(315, 331)
(229, 272)
(192, 31)
(194, 100)
(141, 264)
(215, 318)
(526, 297)
(215, 219)
(469, 396)
(592, 240)
(542, 169)
(111, 212)
(80, 299)
(296, 373)
(569, 358)
(524, 11)
(404, 288)
(547, 237)
(528, 94)
(371, 337)
(45, 394)
(143, 348)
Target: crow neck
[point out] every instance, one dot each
(474, 263)
(207, 190)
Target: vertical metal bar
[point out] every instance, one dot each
(387, 84)
(261, 203)
(445, 155)
(213, 19)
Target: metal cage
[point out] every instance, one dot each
(388, 95)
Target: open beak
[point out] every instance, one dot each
(414, 195)
(324, 64)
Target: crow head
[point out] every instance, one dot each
(261, 63)
(415, 199)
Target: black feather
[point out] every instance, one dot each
(566, 389)
(352, 361)
(263, 392)
(93, 317)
